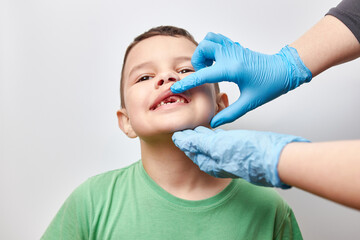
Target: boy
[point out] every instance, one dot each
(165, 195)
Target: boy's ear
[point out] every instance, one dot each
(124, 123)
(222, 101)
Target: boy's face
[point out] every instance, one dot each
(152, 66)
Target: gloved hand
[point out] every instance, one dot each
(260, 77)
(250, 155)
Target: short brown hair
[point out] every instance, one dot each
(156, 31)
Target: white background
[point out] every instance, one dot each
(60, 64)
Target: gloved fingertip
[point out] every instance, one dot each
(173, 137)
(215, 122)
(210, 35)
(178, 136)
(202, 129)
(220, 119)
(174, 141)
(176, 88)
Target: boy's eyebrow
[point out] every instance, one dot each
(144, 64)
(139, 66)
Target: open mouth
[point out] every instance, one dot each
(169, 98)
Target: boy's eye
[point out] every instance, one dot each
(186, 70)
(143, 78)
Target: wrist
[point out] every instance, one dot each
(288, 165)
(280, 151)
(298, 72)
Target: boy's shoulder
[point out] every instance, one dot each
(116, 173)
(261, 202)
(259, 196)
(103, 182)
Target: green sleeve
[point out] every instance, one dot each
(72, 220)
(289, 229)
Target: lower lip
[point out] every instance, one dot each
(169, 106)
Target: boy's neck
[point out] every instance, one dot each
(172, 170)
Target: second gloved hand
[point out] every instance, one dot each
(260, 77)
(250, 155)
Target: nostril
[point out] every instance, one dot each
(161, 82)
(172, 79)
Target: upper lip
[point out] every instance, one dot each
(165, 95)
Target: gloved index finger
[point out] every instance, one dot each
(204, 52)
(185, 84)
(205, 75)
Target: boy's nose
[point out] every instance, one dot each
(166, 78)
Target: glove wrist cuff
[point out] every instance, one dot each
(298, 71)
(275, 179)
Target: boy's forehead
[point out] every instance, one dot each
(158, 48)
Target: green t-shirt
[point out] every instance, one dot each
(128, 204)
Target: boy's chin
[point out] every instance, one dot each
(182, 128)
(175, 127)
(166, 131)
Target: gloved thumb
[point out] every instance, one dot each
(233, 112)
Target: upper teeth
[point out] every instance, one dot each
(177, 101)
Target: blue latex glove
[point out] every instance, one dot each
(250, 155)
(260, 77)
